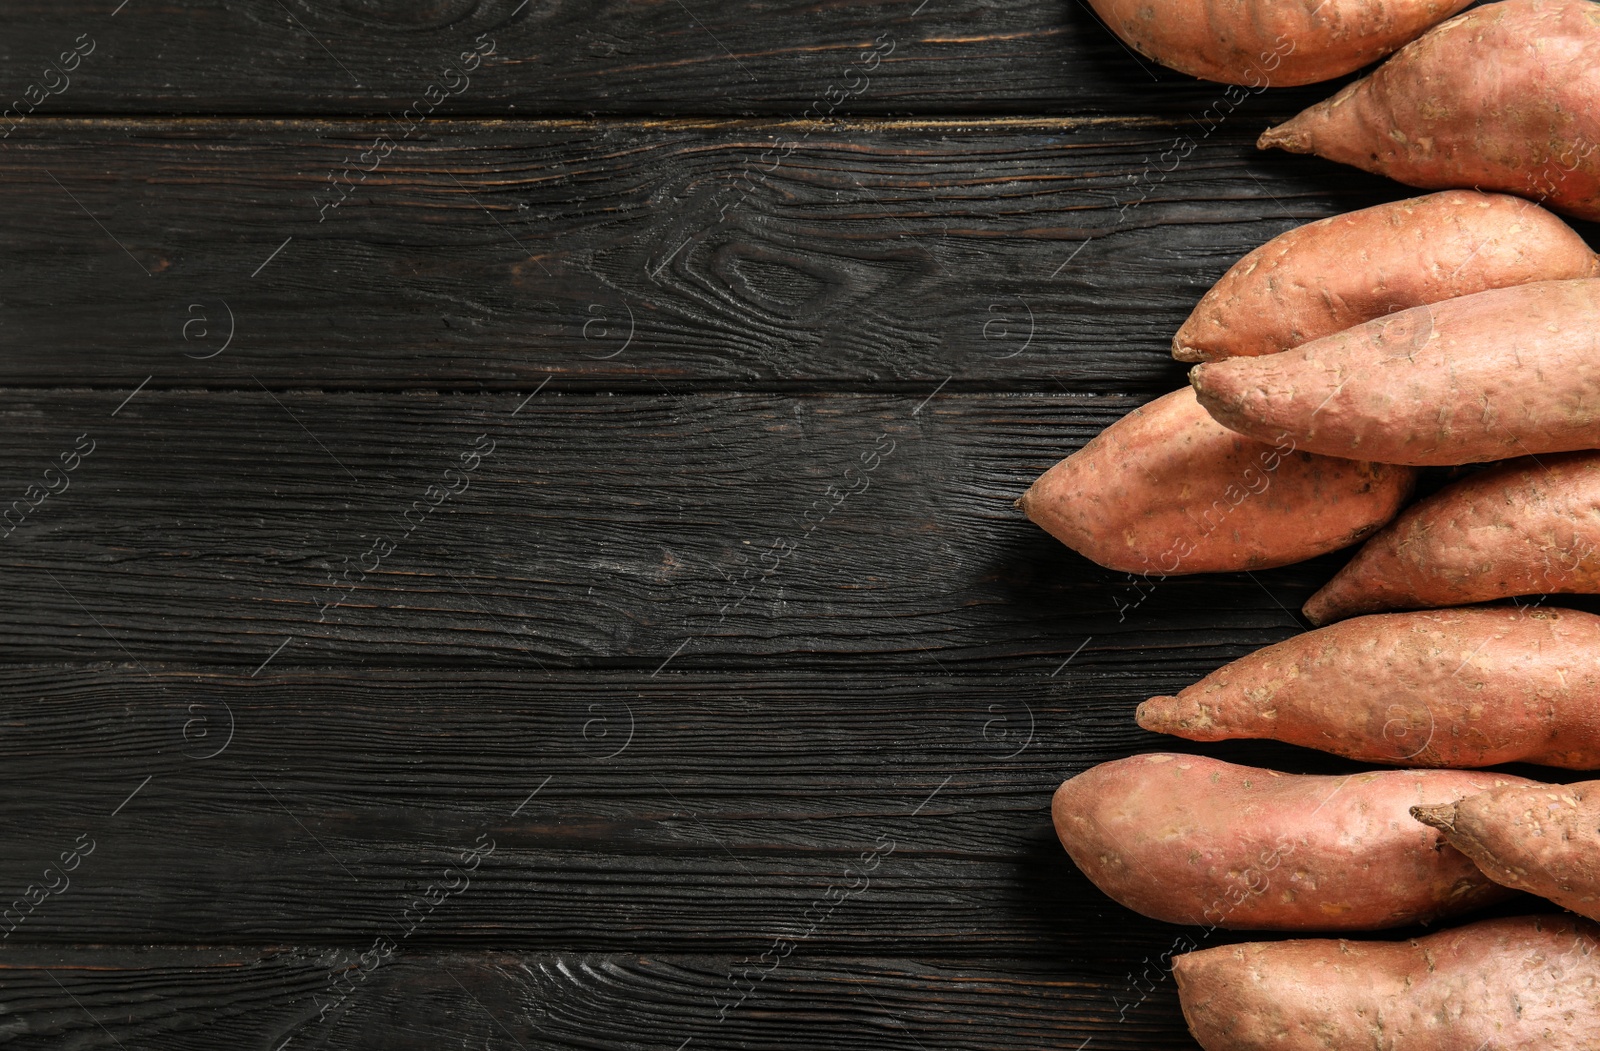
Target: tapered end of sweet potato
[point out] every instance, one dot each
(1221, 388)
(1338, 598)
(1292, 135)
(1206, 982)
(1178, 717)
(1319, 611)
(1156, 714)
(1441, 816)
(1183, 352)
(1055, 502)
(1205, 379)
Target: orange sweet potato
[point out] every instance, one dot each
(1336, 273)
(1501, 98)
(1527, 527)
(1544, 839)
(1188, 839)
(1507, 372)
(1457, 688)
(1270, 42)
(1167, 490)
(1526, 983)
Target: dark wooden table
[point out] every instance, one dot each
(510, 537)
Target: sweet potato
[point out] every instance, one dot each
(1500, 98)
(1527, 527)
(1166, 490)
(1507, 372)
(1525, 983)
(1456, 688)
(1336, 273)
(1188, 839)
(1544, 839)
(1270, 42)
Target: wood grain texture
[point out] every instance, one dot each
(188, 1000)
(575, 58)
(853, 812)
(1037, 254)
(714, 531)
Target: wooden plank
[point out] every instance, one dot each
(571, 58)
(610, 811)
(1016, 254)
(177, 1000)
(704, 531)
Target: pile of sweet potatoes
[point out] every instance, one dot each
(1330, 366)
(1458, 328)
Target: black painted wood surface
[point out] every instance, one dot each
(662, 256)
(610, 495)
(236, 997)
(682, 811)
(595, 530)
(590, 57)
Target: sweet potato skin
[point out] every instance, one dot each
(1187, 839)
(1333, 274)
(1269, 42)
(1166, 490)
(1500, 98)
(1525, 983)
(1507, 372)
(1451, 688)
(1526, 527)
(1544, 839)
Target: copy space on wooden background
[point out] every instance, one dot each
(536, 568)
